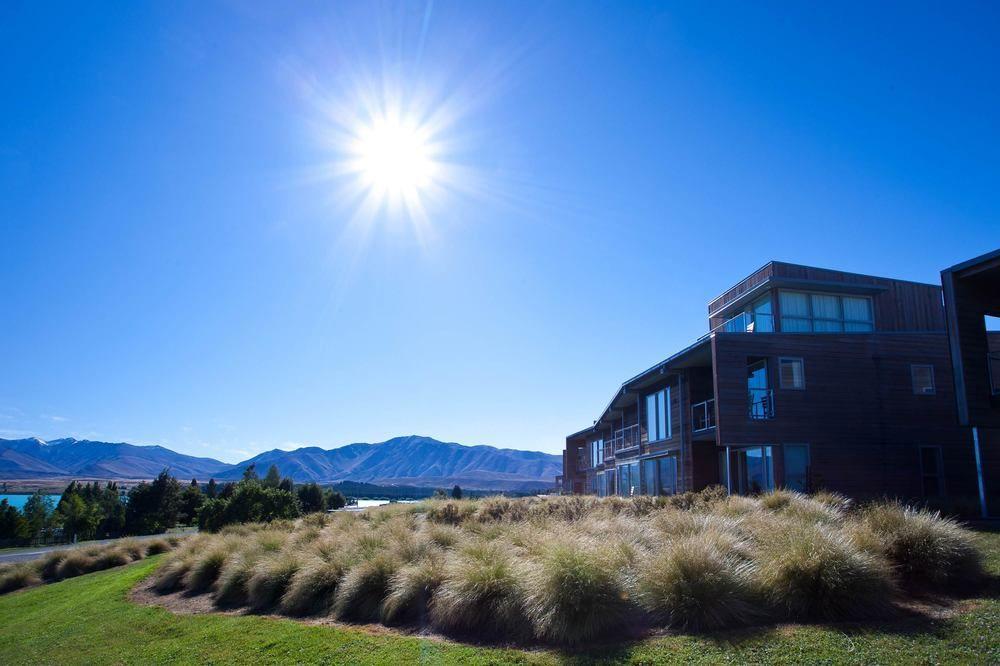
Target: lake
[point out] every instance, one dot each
(19, 500)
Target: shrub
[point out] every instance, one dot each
(231, 587)
(695, 583)
(449, 512)
(110, 557)
(135, 549)
(411, 589)
(19, 575)
(48, 566)
(76, 563)
(924, 547)
(481, 594)
(205, 568)
(157, 546)
(361, 592)
(815, 572)
(169, 577)
(310, 590)
(270, 579)
(576, 594)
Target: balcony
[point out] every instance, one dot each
(761, 403)
(748, 322)
(993, 366)
(703, 415)
(625, 439)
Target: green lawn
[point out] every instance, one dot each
(89, 620)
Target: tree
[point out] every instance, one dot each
(153, 507)
(287, 484)
(251, 502)
(273, 477)
(311, 498)
(439, 493)
(212, 490)
(13, 526)
(335, 499)
(191, 500)
(79, 519)
(456, 492)
(38, 512)
(250, 473)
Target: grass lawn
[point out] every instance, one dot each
(89, 620)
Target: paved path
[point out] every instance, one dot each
(25, 554)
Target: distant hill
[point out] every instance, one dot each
(413, 461)
(34, 458)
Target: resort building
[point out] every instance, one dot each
(807, 379)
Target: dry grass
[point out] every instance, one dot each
(572, 570)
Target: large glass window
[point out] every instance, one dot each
(825, 313)
(922, 377)
(602, 485)
(628, 479)
(596, 452)
(666, 475)
(792, 373)
(797, 467)
(752, 469)
(658, 424)
(648, 477)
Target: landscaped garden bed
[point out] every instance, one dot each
(573, 570)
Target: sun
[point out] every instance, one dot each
(395, 157)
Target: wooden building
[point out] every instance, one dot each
(807, 379)
(971, 294)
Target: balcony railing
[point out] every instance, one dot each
(703, 415)
(624, 439)
(993, 365)
(761, 402)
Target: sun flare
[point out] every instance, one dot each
(394, 158)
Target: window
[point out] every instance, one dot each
(666, 475)
(797, 467)
(760, 398)
(825, 313)
(792, 373)
(602, 485)
(931, 471)
(596, 452)
(752, 469)
(658, 424)
(923, 379)
(756, 318)
(628, 480)
(648, 477)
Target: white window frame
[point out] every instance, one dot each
(781, 377)
(664, 430)
(913, 379)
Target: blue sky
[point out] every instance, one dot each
(178, 266)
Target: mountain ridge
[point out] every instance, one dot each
(412, 460)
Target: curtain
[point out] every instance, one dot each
(794, 304)
(857, 309)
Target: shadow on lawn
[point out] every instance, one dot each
(924, 612)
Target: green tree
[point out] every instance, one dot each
(456, 492)
(191, 500)
(251, 502)
(111, 510)
(273, 477)
(38, 512)
(335, 499)
(79, 519)
(212, 490)
(250, 473)
(13, 526)
(439, 493)
(311, 498)
(153, 507)
(287, 484)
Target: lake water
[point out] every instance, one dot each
(20, 500)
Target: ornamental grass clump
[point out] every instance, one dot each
(576, 593)
(17, 576)
(270, 579)
(697, 582)
(206, 566)
(411, 589)
(360, 594)
(925, 548)
(812, 571)
(482, 595)
(170, 576)
(311, 588)
(76, 563)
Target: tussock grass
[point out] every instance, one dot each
(157, 546)
(570, 570)
(16, 576)
(925, 548)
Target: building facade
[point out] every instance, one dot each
(807, 379)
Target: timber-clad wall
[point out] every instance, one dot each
(858, 412)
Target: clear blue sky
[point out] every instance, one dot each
(174, 268)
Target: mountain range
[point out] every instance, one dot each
(411, 461)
